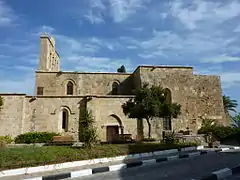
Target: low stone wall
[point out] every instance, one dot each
(198, 138)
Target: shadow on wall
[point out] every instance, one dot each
(82, 109)
(122, 88)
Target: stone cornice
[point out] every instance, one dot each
(85, 96)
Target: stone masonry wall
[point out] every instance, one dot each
(84, 83)
(45, 114)
(108, 111)
(200, 96)
(11, 114)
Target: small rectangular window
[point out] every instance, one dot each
(40, 90)
(167, 124)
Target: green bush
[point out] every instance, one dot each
(221, 133)
(170, 138)
(35, 137)
(87, 130)
(6, 139)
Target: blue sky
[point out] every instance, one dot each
(101, 35)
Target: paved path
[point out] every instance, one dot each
(190, 169)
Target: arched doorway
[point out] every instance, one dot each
(114, 128)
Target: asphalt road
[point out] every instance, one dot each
(184, 169)
(234, 177)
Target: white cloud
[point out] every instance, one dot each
(200, 12)
(37, 32)
(7, 15)
(99, 4)
(94, 18)
(230, 79)
(222, 58)
(98, 64)
(74, 45)
(123, 9)
(118, 10)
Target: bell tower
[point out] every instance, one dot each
(49, 57)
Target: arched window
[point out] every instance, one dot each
(115, 87)
(65, 117)
(69, 88)
(168, 95)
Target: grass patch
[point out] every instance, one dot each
(11, 158)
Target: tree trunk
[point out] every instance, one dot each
(149, 128)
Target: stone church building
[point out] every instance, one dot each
(59, 96)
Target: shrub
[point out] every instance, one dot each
(170, 138)
(87, 131)
(35, 137)
(7, 139)
(220, 133)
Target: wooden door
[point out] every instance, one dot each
(112, 133)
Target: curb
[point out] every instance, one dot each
(223, 173)
(52, 167)
(86, 172)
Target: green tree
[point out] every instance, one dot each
(122, 69)
(87, 131)
(149, 103)
(236, 121)
(229, 105)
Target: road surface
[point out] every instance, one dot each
(184, 169)
(234, 177)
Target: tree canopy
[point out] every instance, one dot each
(236, 120)
(149, 103)
(122, 69)
(229, 104)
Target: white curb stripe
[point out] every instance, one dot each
(157, 153)
(12, 172)
(188, 149)
(117, 167)
(200, 147)
(236, 147)
(225, 149)
(81, 173)
(37, 178)
(170, 158)
(146, 154)
(223, 173)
